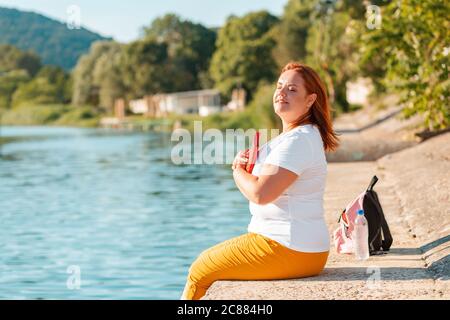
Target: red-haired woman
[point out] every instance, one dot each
(287, 235)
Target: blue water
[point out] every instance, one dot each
(111, 204)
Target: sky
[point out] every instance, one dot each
(123, 20)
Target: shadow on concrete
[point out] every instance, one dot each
(421, 250)
(372, 124)
(386, 273)
(435, 243)
(364, 273)
(439, 269)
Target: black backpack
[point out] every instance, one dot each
(380, 238)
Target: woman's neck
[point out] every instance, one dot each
(289, 126)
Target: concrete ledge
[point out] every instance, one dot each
(414, 191)
(397, 275)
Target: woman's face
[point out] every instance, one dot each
(290, 99)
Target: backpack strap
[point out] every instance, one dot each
(372, 183)
(386, 242)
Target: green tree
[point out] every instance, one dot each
(16, 68)
(173, 55)
(12, 58)
(189, 50)
(144, 68)
(244, 53)
(49, 86)
(333, 42)
(97, 77)
(413, 42)
(9, 82)
(107, 76)
(292, 31)
(332, 51)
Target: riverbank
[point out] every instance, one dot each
(4, 140)
(414, 192)
(52, 115)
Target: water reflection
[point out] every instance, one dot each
(111, 203)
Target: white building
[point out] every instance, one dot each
(138, 106)
(203, 102)
(207, 110)
(190, 101)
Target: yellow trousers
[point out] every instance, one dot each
(250, 256)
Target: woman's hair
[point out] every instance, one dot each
(320, 111)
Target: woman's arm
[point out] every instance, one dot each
(267, 187)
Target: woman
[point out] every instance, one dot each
(287, 235)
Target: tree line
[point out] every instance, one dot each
(402, 46)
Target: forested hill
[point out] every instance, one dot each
(52, 40)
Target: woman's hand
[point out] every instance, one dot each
(240, 160)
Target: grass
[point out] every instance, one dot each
(87, 116)
(53, 114)
(4, 140)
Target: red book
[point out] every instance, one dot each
(253, 153)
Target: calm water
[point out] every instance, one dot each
(111, 204)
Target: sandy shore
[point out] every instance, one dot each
(414, 190)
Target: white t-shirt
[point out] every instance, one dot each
(296, 218)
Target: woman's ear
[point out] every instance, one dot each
(311, 99)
